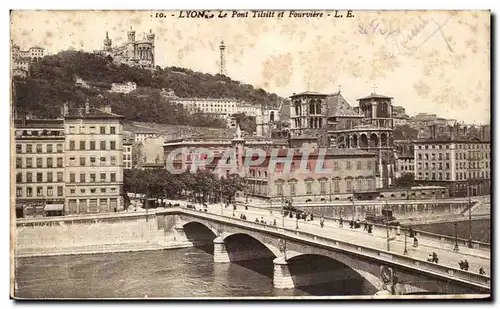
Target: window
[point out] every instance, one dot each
(336, 186)
(39, 162)
(308, 187)
(82, 145)
(82, 161)
(348, 165)
(103, 177)
(103, 145)
(59, 148)
(49, 177)
(59, 191)
(103, 161)
(72, 191)
(102, 130)
(279, 188)
(59, 162)
(82, 177)
(71, 145)
(29, 148)
(50, 162)
(49, 148)
(49, 191)
(92, 177)
(358, 165)
(72, 177)
(29, 162)
(420, 156)
(447, 156)
(349, 185)
(59, 176)
(112, 130)
(369, 164)
(360, 184)
(370, 184)
(19, 192)
(103, 190)
(92, 161)
(38, 148)
(29, 191)
(39, 191)
(292, 188)
(336, 165)
(124, 157)
(92, 190)
(113, 177)
(322, 186)
(19, 162)
(19, 148)
(92, 130)
(29, 177)
(112, 145)
(82, 191)
(92, 145)
(72, 161)
(19, 177)
(113, 160)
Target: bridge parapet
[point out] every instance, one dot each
(384, 257)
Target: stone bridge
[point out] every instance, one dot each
(302, 259)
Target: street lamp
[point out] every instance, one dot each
(406, 250)
(455, 248)
(282, 210)
(469, 242)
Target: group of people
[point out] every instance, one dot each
(433, 258)
(464, 265)
(262, 221)
(356, 224)
(299, 215)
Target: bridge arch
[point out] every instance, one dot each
(242, 246)
(311, 270)
(199, 233)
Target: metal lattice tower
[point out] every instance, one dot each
(222, 48)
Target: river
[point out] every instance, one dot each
(188, 272)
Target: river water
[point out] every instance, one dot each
(188, 272)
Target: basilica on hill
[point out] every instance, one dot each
(137, 53)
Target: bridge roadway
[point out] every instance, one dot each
(378, 240)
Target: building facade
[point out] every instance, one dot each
(336, 124)
(139, 137)
(123, 87)
(33, 53)
(221, 106)
(138, 53)
(39, 165)
(93, 160)
(464, 166)
(127, 153)
(405, 164)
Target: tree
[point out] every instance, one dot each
(405, 181)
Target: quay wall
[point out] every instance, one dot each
(91, 235)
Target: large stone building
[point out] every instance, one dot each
(123, 87)
(39, 166)
(21, 59)
(220, 106)
(127, 153)
(93, 160)
(139, 53)
(464, 166)
(336, 124)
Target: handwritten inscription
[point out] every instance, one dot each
(411, 38)
(207, 14)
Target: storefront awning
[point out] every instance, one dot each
(54, 207)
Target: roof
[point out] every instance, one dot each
(77, 113)
(282, 152)
(308, 93)
(338, 106)
(472, 139)
(375, 96)
(39, 123)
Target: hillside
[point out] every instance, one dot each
(52, 82)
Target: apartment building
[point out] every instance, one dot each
(93, 160)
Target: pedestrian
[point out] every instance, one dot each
(436, 260)
(257, 220)
(274, 222)
(297, 224)
(304, 216)
(312, 218)
(415, 242)
(341, 222)
(370, 229)
(430, 258)
(291, 215)
(351, 224)
(322, 221)
(466, 265)
(261, 219)
(411, 232)
(398, 230)
(481, 271)
(461, 264)
(365, 227)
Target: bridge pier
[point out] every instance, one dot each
(282, 279)
(179, 234)
(220, 252)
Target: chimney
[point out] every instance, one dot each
(87, 107)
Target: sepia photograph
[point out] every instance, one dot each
(250, 154)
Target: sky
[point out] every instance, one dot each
(429, 61)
